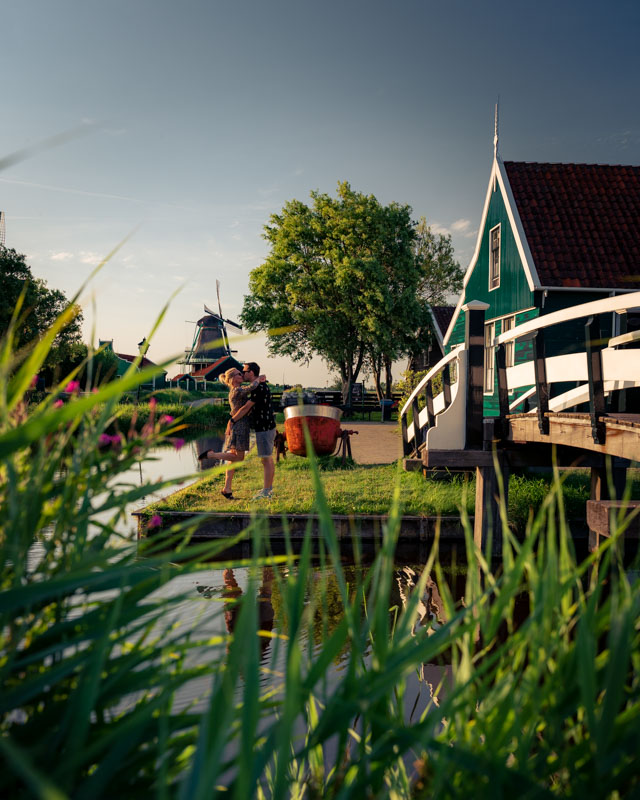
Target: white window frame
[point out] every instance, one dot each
(494, 276)
(489, 358)
(508, 324)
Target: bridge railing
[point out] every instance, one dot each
(601, 368)
(452, 419)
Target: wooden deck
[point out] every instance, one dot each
(621, 432)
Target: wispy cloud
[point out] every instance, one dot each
(62, 256)
(460, 227)
(86, 193)
(620, 139)
(89, 257)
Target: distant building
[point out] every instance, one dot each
(199, 378)
(124, 362)
(440, 319)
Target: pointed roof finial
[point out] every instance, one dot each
(495, 131)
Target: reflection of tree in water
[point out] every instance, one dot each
(323, 595)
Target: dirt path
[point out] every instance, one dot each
(375, 442)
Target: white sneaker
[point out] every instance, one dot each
(263, 494)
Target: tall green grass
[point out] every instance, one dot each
(93, 662)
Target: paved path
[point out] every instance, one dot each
(375, 442)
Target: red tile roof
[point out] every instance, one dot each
(202, 373)
(143, 363)
(442, 316)
(582, 222)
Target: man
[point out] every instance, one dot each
(263, 422)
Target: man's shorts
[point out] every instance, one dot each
(264, 440)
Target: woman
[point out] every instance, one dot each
(236, 442)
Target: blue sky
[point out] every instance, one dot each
(204, 117)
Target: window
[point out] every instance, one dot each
(494, 257)
(508, 323)
(489, 360)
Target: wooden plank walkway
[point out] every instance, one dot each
(621, 432)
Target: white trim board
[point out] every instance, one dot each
(498, 172)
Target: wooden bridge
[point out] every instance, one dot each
(538, 414)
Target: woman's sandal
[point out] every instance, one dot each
(228, 495)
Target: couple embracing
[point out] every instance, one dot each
(250, 408)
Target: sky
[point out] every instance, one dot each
(191, 123)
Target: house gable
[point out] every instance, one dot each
(518, 278)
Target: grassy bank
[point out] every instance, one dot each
(369, 489)
(203, 416)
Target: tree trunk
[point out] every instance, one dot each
(388, 377)
(376, 369)
(349, 374)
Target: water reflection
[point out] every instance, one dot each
(212, 441)
(224, 588)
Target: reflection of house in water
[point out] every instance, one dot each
(429, 616)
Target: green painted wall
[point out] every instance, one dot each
(514, 294)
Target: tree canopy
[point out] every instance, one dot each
(41, 307)
(343, 280)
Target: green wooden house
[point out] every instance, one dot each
(551, 236)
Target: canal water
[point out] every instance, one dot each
(208, 604)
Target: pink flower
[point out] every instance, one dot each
(34, 382)
(104, 438)
(178, 444)
(152, 403)
(58, 404)
(155, 522)
(94, 390)
(166, 418)
(72, 386)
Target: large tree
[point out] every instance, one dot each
(440, 277)
(40, 308)
(338, 272)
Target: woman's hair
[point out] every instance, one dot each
(226, 376)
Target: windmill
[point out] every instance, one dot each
(210, 340)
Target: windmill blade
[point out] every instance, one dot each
(207, 310)
(218, 293)
(234, 324)
(225, 336)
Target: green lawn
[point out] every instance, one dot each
(369, 489)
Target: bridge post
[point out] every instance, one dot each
(474, 342)
(487, 523)
(503, 391)
(428, 399)
(406, 447)
(594, 345)
(446, 385)
(542, 387)
(417, 432)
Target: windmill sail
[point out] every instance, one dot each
(210, 341)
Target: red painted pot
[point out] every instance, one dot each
(323, 424)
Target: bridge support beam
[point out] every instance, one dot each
(487, 525)
(474, 340)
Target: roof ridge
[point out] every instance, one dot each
(571, 164)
